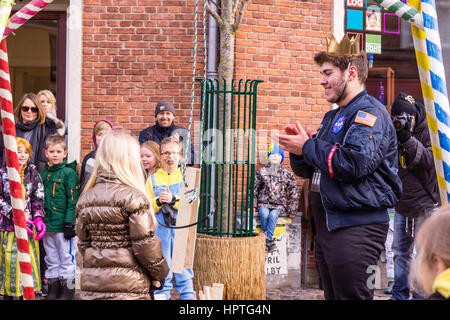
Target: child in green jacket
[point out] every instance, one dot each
(61, 195)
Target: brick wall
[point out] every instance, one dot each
(138, 52)
(135, 53)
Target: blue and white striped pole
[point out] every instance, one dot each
(438, 83)
(423, 66)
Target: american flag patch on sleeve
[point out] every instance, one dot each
(365, 118)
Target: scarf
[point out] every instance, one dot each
(442, 283)
(27, 126)
(37, 139)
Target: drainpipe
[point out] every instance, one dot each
(212, 45)
(211, 73)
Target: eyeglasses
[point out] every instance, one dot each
(32, 109)
(167, 154)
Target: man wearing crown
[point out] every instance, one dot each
(352, 165)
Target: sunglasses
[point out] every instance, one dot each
(32, 109)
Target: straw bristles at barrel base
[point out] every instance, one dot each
(238, 263)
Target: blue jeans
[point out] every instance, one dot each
(268, 218)
(403, 246)
(183, 281)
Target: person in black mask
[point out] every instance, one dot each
(420, 189)
(165, 127)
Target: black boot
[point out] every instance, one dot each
(67, 290)
(272, 246)
(44, 289)
(54, 289)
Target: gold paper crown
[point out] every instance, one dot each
(347, 46)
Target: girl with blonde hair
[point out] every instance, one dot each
(150, 157)
(48, 102)
(33, 196)
(431, 268)
(114, 210)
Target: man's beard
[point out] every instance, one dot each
(340, 91)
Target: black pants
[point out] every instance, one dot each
(347, 258)
(42, 264)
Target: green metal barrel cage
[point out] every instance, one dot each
(228, 157)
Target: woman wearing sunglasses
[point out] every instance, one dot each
(33, 125)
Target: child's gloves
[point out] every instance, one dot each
(40, 227)
(27, 222)
(69, 230)
(168, 213)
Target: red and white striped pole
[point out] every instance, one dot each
(9, 136)
(12, 163)
(24, 14)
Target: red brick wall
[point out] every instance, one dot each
(138, 52)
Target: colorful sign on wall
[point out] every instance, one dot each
(355, 19)
(370, 20)
(373, 20)
(373, 43)
(355, 3)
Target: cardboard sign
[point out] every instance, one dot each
(184, 241)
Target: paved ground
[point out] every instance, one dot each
(309, 294)
(299, 294)
(296, 294)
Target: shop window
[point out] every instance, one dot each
(390, 40)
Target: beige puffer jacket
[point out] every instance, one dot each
(121, 253)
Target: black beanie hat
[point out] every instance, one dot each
(404, 103)
(164, 105)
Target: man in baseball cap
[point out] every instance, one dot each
(165, 127)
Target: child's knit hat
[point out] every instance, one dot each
(275, 148)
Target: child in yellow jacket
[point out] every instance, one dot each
(164, 187)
